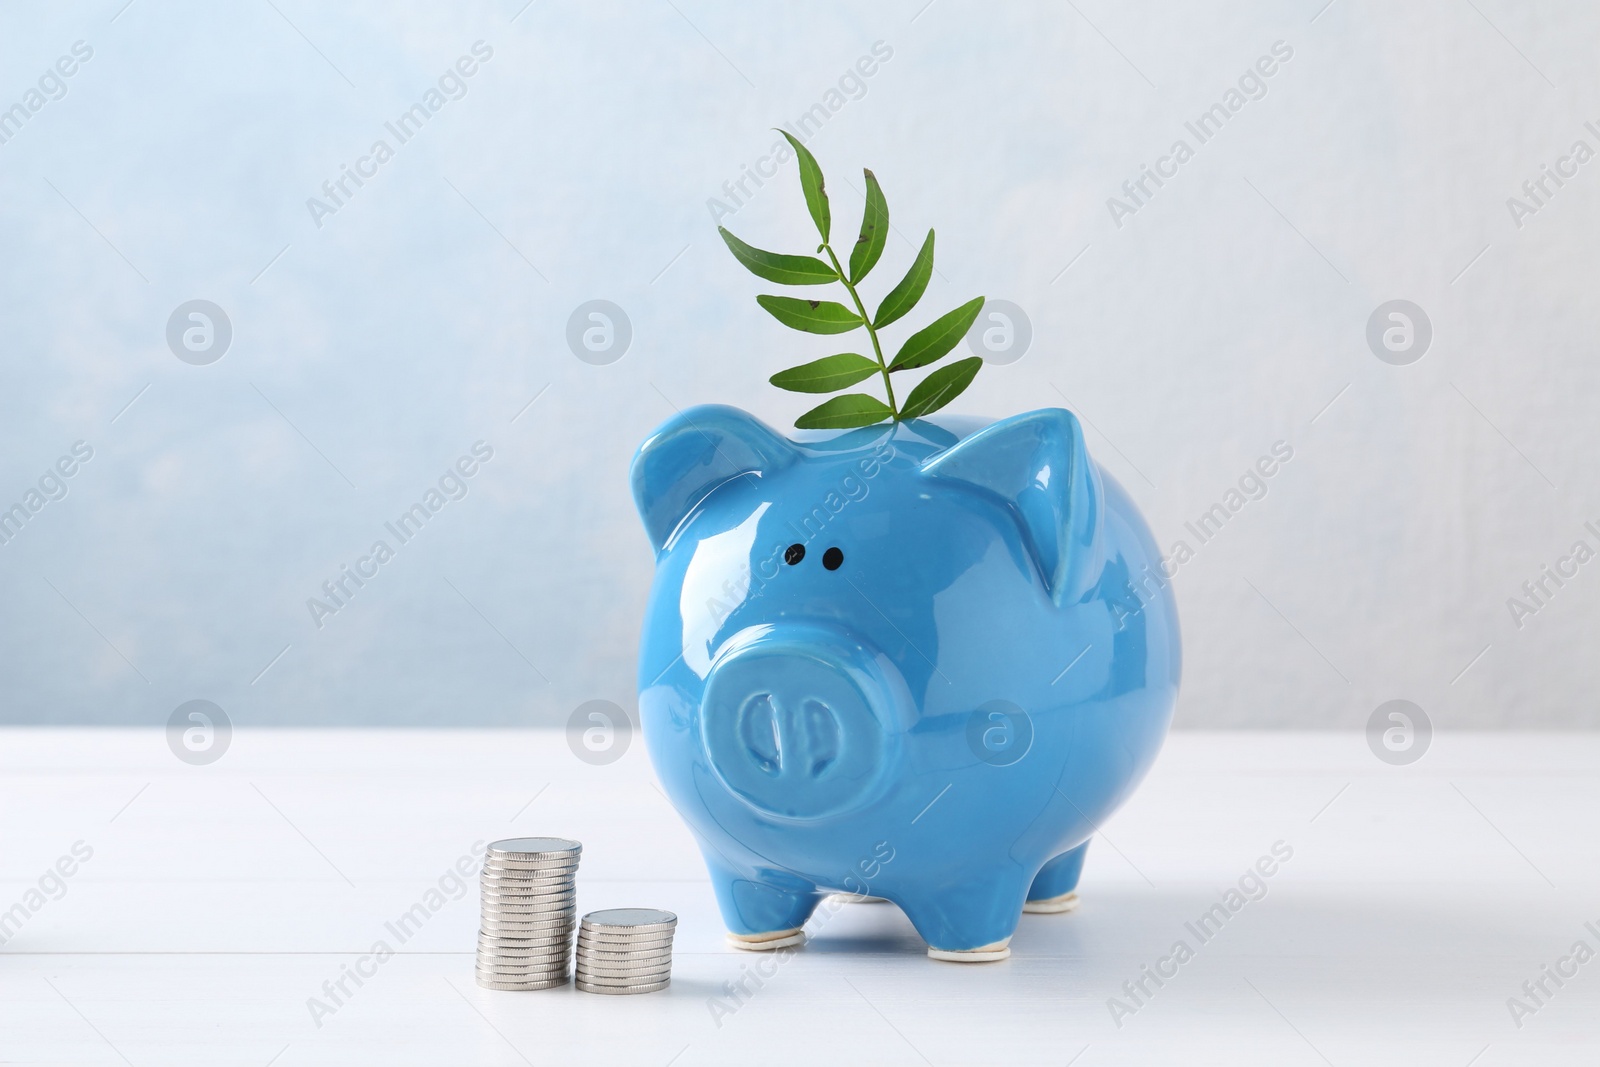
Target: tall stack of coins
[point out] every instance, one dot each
(529, 901)
(625, 950)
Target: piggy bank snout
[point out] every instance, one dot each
(797, 720)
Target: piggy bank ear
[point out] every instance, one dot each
(693, 453)
(1037, 465)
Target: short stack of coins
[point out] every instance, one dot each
(625, 950)
(529, 902)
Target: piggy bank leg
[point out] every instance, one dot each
(1054, 888)
(968, 923)
(763, 914)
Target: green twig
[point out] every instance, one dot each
(866, 320)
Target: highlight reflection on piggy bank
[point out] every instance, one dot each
(922, 662)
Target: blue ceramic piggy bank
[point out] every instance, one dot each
(921, 662)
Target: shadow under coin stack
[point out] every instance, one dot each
(625, 950)
(529, 902)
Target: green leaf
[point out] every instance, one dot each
(932, 342)
(812, 316)
(874, 231)
(774, 267)
(903, 297)
(845, 412)
(811, 183)
(940, 387)
(827, 374)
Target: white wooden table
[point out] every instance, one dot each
(219, 899)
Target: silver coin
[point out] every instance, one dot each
(528, 893)
(541, 916)
(523, 937)
(590, 960)
(547, 905)
(556, 909)
(547, 921)
(638, 974)
(506, 972)
(533, 850)
(523, 942)
(521, 965)
(523, 946)
(504, 961)
(519, 974)
(616, 955)
(536, 981)
(613, 943)
(526, 915)
(647, 932)
(534, 846)
(531, 878)
(590, 948)
(491, 981)
(548, 983)
(528, 888)
(542, 919)
(596, 987)
(491, 962)
(519, 874)
(513, 949)
(616, 983)
(622, 959)
(527, 879)
(528, 870)
(552, 901)
(501, 967)
(530, 864)
(557, 906)
(536, 866)
(535, 858)
(528, 874)
(613, 979)
(561, 902)
(533, 864)
(621, 966)
(630, 920)
(529, 938)
(500, 961)
(589, 944)
(663, 948)
(564, 902)
(565, 899)
(600, 937)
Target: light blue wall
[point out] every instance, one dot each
(371, 351)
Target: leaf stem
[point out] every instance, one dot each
(877, 350)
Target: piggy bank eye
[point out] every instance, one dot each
(794, 554)
(833, 559)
